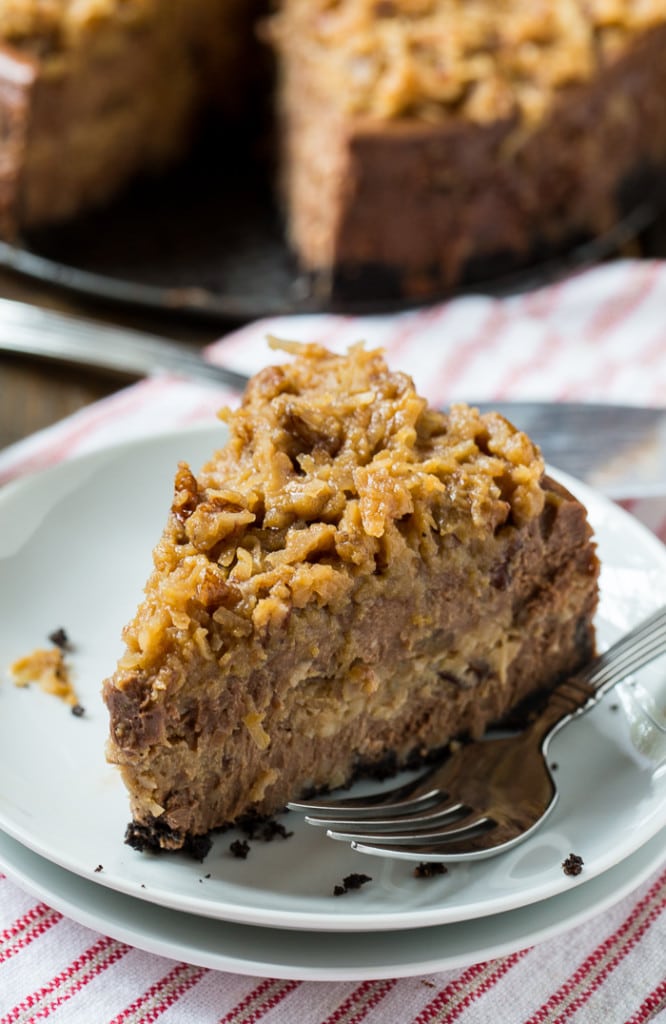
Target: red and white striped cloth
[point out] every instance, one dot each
(599, 336)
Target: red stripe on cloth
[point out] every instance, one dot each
(621, 306)
(594, 970)
(538, 305)
(544, 353)
(465, 352)
(660, 530)
(330, 335)
(603, 378)
(162, 995)
(229, 342)
(43, 1001)
(261, 999)
(637, 508)
(332, 326)
(650, 1007)
(26, 929)
(654, 357)
(411, 325)
(360, 1002)
(608, 318)
(206, 411)
(653, 354)
(476, 981)
(84, 423)
(542, 301)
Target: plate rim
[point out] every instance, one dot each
(601, 893)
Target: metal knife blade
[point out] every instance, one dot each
(620, 449)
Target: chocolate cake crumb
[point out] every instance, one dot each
(429, 869)
(240, 848)
(60, 638)
(198, 847)
(353, 881)
(78, 710)
(554, 766)
(273, 828)
(100, 867)
(573, 865)
(265, 829)
(249, 825)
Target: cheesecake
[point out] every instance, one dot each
(417, 145)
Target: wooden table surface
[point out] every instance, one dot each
(35, 393)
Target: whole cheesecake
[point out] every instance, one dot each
(421, 143)
(96, 92)
(430, 142)
(352, 580)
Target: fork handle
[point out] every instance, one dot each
(644, 643)
(567, 699)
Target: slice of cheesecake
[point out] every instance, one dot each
(352, 580)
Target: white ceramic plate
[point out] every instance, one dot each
(75, 547)
(317, 956)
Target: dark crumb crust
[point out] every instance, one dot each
(158, 836)
(351, 882)
(265, 829)
(573, 865)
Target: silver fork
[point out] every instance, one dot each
(491, 794)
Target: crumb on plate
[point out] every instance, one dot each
(48, 668)
(353, 881)
(573, 865)
(240, 848)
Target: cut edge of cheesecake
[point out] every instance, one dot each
(481, 196)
